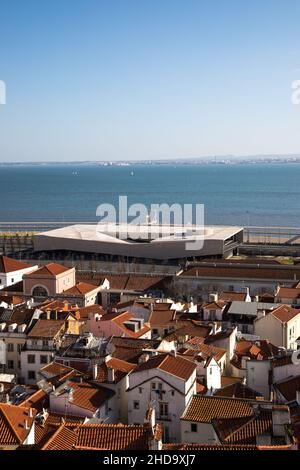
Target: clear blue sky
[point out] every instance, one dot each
(146, 79)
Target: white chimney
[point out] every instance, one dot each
(95, 371)
(26, 424)
(110, 374)
(30, 414)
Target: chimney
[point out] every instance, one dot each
(174, 352)
(280, 418)
(48, 313)
(26, 424)
(95, 371)
(30, 413)
(110, 374)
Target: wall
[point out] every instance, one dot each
(182, 392)
(205, 433)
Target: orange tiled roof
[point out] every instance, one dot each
(245, 430)
(119, 320)
(8, 265)
(121, 368)
(204, 409)
(284, 313)
(56, 419)
(288, 292)
(113, 437)
(37, 400)
(231, 296)
(237, 390)
(13, 424)
(81, 288)
(63, 438)
(161, 318)
(51, 269)
(46, 329)
(209, 447)
(203, 351)
(88, 396)
(90, 309)
(177, 366)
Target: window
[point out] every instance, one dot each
(19, 364)
(31, 359)
(31, 375)
(10, 364)
(45, 342)
(172, 393)
(140, 390)
(19, 348)
(155, 331)
(12, 280)
(43, 359)
(10, 347)
(160, 386)
(194, 427)
(153, 385)
(136, 405)
(163, 410)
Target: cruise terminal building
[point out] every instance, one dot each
(146, 241)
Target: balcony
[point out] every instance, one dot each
(164, 417)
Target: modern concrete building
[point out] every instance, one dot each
(154, 241)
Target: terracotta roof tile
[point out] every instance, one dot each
(204, 409)
(81, 288)
(8, 265)
(46, 328)
(121, 368)
(51, 269)
(231, 296)
(177, 366)
(288, 293)
(113, 437)
(284, 313)
(237, 390)
(88, 396)
(37, 400)
(244, 430)
(275, 273)
(63, 438)
(161, 318)
(13, 424)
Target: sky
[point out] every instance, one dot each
(148, 79)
